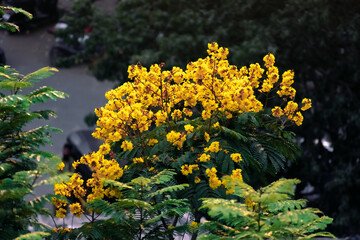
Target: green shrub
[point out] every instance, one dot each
(22, 163)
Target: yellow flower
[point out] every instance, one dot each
(206, 137)
(138, 160)
(176, 138)
(127, 146)
(306, 104)
(277, 111)
(269, 60)
(298, 118)
(60, 213)
(61, 166)
(236, 174)
(215, 125)
(197, 179)
(214, 147)
(290, 108)
(76, 209)
(193, 225)
(189, 128)
(204, 157)
(152, 142)
(187, 169)
(236, 157)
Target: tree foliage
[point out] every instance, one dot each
(22, 162)
(318, 39)
(268, 213)
(146, 210)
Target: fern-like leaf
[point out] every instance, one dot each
(42, 73)
(45, 93)
(163, 176)
(118, 185)
(168, 189)
(33, 236)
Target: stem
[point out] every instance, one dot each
(36, 177)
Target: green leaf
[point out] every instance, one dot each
(118, 185)
(285, 186)
(12, 85)
(168, 189)
(18, 10)
(126, 203)
(42, 73)
(45, 93)
(163, 176)
(33, 236)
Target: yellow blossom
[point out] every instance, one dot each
(306, 104)
(176, 138)
(214, 147)
(152, 142)
(61, 166)
(236, 174)
(206, 137)
(60, 213)
(298, 118)
(189, 128)
(277, 112)
(204, 157)
(215, 125)
(197, 179)
(76, 209)
(138, 160)
(236, 157)
(127, 146)
(187, 169)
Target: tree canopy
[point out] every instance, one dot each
(319, 39)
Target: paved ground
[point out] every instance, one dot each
(28, 53)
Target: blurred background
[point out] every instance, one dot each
(93, 42)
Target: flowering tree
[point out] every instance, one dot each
(210, 120)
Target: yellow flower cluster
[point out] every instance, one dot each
(212, 83)
(138, 160)
(204, 157)
(236, 157)
(292, 112)
(187, 169)
(176, 138)
(152, 142)
(102, 169)
(188, 128)
(214, 147)
(236, 174)
(214, 181)
(209, 88)
(75, 208)
(127, 146)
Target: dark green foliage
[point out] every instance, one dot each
(22, 162)
(268, 213)
(145, 210)
(10, 26)
(318, 39)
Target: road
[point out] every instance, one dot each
(28, 53)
